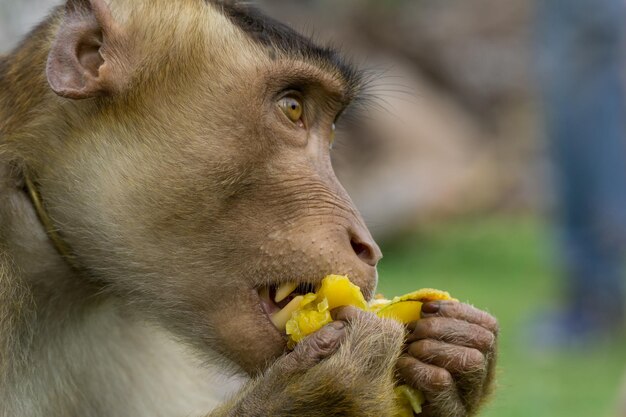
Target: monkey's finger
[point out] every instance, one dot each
(458, 360)
(435, 383)
(314, 348)
(460, 311)
(469, 368)
(456, 332)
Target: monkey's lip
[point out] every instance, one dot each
(279, 301)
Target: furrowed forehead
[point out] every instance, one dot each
(280, 39)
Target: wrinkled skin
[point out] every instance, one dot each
(153, 133)
(450, 356)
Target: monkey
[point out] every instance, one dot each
(164, 172)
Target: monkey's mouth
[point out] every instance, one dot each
(279, 301)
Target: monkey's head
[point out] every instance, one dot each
(182, 151)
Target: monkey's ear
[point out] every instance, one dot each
(80, 63)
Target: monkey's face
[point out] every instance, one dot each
(208, 191)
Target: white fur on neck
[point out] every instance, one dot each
(105, 364)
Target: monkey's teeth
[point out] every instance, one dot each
(284, 290)
(280, 318)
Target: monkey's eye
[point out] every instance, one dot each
(293, 109)
(333, 132)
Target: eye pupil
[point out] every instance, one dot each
(292, 108)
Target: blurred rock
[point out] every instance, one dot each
(476, 49)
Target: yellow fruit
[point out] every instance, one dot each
(313, 313)
(310, 317)
(404, 311)
(314, 310)
(424, 295)
(336, 291)
(408, 307)
(339, 291)
(408, 401)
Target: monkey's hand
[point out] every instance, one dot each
(345, 369)
(450, 357)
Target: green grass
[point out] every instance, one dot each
(506, 267)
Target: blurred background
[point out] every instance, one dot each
(490, 162)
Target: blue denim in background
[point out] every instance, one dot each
(581, 69)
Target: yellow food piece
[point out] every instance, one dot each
(314, 310)
(424, 295)
(407, 308)
(337, 291)
(405, 311)
(311, 316)
(408, 400)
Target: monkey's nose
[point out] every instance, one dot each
(364, 247)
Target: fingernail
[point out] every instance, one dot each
(431, 307)
(338, 325)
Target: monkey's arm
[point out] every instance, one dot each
(450, 357)
(345, 369)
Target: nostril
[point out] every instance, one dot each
(365, 252)
(360, 249)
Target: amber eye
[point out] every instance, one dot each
(292, 107)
